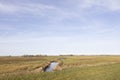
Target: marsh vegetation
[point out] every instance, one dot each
(69, 68)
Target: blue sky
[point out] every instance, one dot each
(56, 27)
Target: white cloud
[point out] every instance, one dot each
(112, 5)
(109, 5)
(51, 13)
(35, 8)
(7, 8)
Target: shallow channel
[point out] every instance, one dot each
(51, 67)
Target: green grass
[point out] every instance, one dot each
(17, 64)
(74, 68)
(104, 72)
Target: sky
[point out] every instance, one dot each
(58, 27)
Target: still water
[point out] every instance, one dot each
(51, 67)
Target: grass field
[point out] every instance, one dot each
(70, 68)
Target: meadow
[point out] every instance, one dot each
(70, 68)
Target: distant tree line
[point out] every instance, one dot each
(33, 55)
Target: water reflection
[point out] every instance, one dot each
(51, 67)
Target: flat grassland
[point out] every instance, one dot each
(70, 68)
